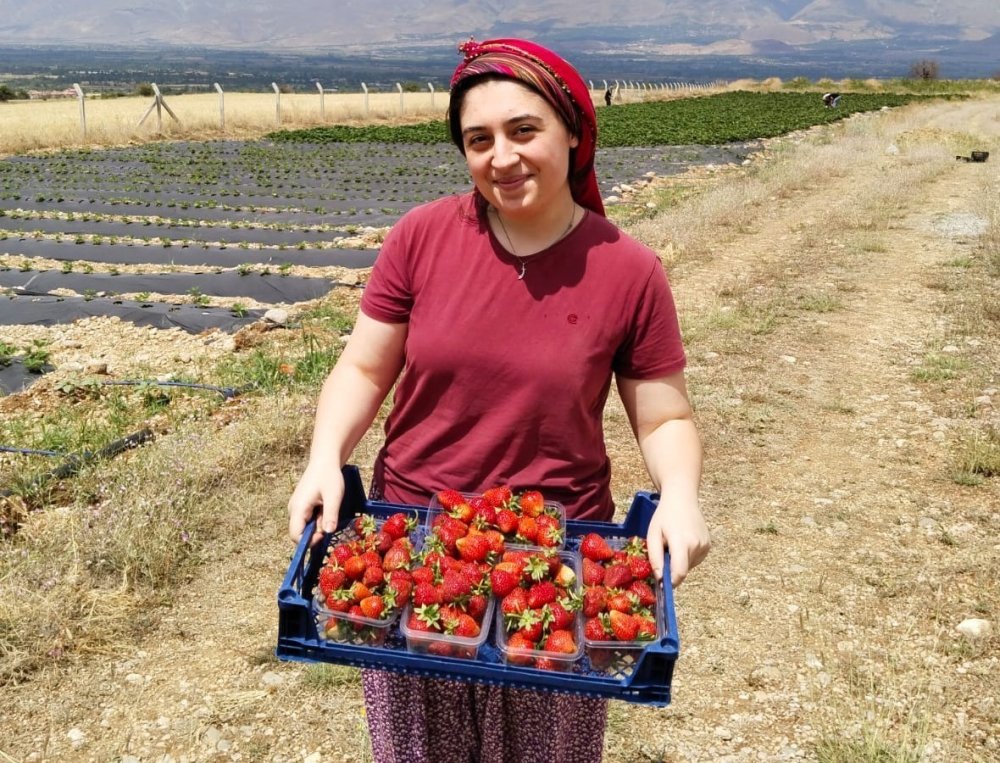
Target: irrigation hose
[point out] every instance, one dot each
(29, 451)
(73, 463)
(227, 393)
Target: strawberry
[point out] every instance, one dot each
(643, 592)
(498, 496)
(379, 541)
(618, 576)
(426, 594)
(506, 521)
(454, 587)
(330, 579)
(531, 502)
(560, 617)
(484, 510)
(515, 602)
(593, 629)
(595, 601)
(595, 548)
(496, 541)
(429, 614)
(477, 605)
(547, 663)
(359, 591)
(529, 623)
(423, 574)
(473, 548)
(541, 594)
(565, 576)
(462, 512)
(373, 577)
(372, 558)
(623, 626)
(619, 602)
(441, 649)
(397, 558)
(647, 628)
(400, 583)
(504, 578)
(342, 552)
(561, 641)
(372, 607)
(416, 623)
(450, 498)
(593, 572)
(399, 525)
(527, 529)
(519, 649)
(640, 566)
(549, 533)
(355, 567)
(463, 625)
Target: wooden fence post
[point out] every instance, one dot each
(222, 106)
(83, 111)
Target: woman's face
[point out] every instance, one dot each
(517, 149)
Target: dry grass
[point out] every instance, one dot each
(46, 125)
(85, 575)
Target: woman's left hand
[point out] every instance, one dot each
(681, 529)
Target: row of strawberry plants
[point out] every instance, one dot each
(710, 120)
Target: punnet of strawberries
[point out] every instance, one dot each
(524, 518)
(365, 578)
(619, 590)
(451, 594)
(537, 591)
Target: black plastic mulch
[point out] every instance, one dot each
(165, 256)
(220, 233)
(16, 378)
(51, 311)
(297, 214)
(270, 289)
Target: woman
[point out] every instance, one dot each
(504, 314)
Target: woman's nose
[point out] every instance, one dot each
(504, 153)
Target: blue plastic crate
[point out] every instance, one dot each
(646, 680)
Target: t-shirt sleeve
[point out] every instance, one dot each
(388, 295)
(652, 347)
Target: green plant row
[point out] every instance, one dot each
(710, 120)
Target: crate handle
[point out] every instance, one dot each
(288, 593)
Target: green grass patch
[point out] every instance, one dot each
(977, 459)
(938, 367)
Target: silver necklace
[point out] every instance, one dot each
(510, 244)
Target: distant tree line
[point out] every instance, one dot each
(9, 94)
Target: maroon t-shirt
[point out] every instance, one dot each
(505, 380)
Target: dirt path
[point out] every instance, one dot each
(844, 556)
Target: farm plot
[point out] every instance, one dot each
(85, 233)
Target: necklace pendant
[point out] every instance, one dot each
(524, 269)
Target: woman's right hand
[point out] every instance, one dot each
(318, 487)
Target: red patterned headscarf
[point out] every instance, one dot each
(555, 80)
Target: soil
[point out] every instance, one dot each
(844, 557)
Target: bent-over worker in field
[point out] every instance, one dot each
(503, 316)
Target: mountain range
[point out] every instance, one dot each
(962, 29)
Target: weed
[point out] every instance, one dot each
(939, 367)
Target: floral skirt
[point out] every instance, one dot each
(426, 720)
